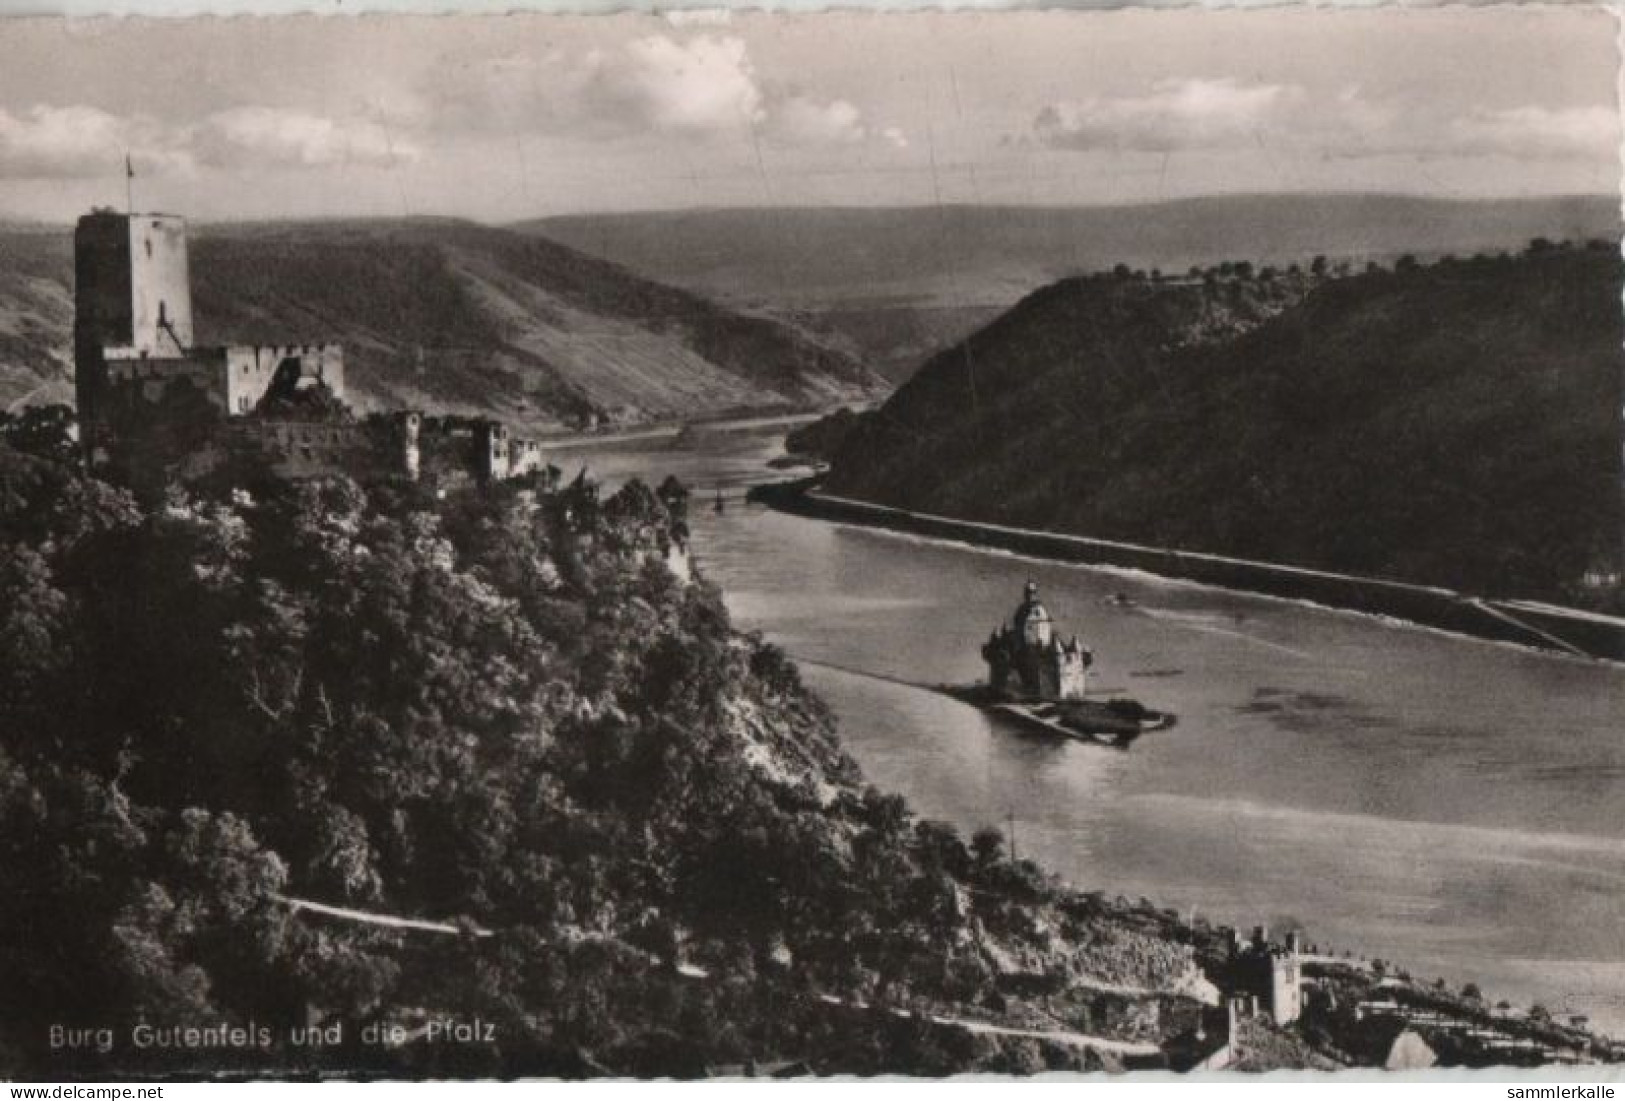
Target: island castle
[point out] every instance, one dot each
(154, 405)
(1024, 657)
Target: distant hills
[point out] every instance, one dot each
(901, 283)
(450, 315)
(1454, 424)
(36, 315)
(579, 317)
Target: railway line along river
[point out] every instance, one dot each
(1452, 805)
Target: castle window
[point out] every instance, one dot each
(148, 242)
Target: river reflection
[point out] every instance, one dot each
(1453, 805)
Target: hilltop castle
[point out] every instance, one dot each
(154, 405)
(1024, 657)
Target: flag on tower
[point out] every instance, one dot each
(129, 169)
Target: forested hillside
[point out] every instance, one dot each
(507, 715)
(1453, 423)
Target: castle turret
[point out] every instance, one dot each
(1032, 620)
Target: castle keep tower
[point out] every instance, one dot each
(132, 294)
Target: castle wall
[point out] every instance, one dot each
(485, 449)
(250, 368)
(133, 380)
(525, 456)
(377, 447)
(234, 379)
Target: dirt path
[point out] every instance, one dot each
(386, 920)
(1058, 1036)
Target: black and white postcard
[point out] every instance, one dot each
(751, 544)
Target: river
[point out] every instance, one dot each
(1452, 805)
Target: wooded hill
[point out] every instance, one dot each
(501, 713)
(1454, 423)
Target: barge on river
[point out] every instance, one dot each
(1042, 683)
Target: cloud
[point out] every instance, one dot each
(77, 141)
(700, 85)
(708, 85)
(82, 142)
(803, 121)
(1193, 114)
(1578, 132)
(275, 137)
(1177, 114)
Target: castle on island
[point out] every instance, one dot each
(154, 405)
(1026, 658)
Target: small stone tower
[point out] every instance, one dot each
(1270, 974)
(495, 452)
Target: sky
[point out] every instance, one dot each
(501, 118)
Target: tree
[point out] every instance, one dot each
(44, 431)
(987, 844)
(1317, 266)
